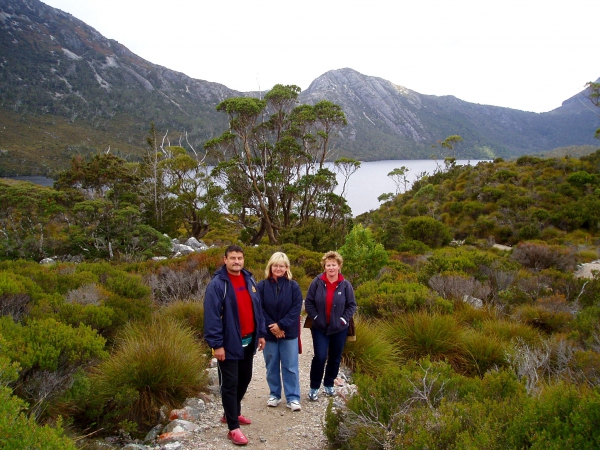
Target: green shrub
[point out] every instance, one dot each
(561, 417)
(363, 257)
(99, 318)
(419, 335)
(371, 353)
(378, 418)
(19, 431)
(427, 230)
(412, 246)
(587, 323)
(153, 365)
(50, 345)
(385, 299)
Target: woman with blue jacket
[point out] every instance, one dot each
(331, 304)
(281, 305)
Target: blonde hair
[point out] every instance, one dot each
(332, 255)
(278, 258)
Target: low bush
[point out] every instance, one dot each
(20, 431)
(387, 299)
(561, 417)
(154, 364)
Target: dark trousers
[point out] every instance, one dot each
(234, 378)
(328, 350)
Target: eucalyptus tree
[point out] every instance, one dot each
(272, 159)
(194, 194)
(105, 208)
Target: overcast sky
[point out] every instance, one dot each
(524, 54)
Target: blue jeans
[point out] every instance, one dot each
(323, 345)
(281, 360)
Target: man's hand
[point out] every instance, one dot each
(261, 343)
(219, 353)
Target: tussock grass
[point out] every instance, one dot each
(507, 331)
(482, 352)
(372, 353)
(154, 365)
(190, 314)
(420, 335)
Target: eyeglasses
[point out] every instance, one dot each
(278, 266)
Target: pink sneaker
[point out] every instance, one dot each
(237, 437)
(241, 419)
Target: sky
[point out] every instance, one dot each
(529, 55)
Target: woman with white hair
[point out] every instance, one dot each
(281, 304)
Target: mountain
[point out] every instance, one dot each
(65, 89)
(387, 121)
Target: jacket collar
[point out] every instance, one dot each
(339, 280)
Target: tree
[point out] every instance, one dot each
(32, 221)
(195, 194)
(398, 176)
(106, 218)
(363, 257)
(271, 162)
(594, 96)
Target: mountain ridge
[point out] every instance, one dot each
(60, 77)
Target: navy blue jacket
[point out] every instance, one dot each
(281, 304)
(221, 318)
(344, 305)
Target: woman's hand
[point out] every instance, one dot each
(277, 332)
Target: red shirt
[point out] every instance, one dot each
(244, 304)
(329, 296)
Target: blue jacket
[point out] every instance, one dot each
(281, 304)
(221, 319)
(344, 305)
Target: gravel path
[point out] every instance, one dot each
(271, 428)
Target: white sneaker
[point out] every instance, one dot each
(313, 395)
(329, 391)
(294, 405)
(273, 401)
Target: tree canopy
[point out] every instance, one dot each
(271, 161)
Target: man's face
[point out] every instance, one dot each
(234, 261)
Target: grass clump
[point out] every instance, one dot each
(422, 335)
(508, 331)
(191, 314)
(482, 353)
(371, 353)
(154, 365)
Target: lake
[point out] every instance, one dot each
(371, 180)
(364, 186)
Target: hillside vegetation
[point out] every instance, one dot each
(460, 344)
(555, 200)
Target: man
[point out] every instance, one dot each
(233, 321)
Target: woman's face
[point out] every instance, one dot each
(279, 270)
(332, 268)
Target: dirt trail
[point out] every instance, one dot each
(272, 428)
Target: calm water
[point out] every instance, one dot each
(368, 183)
(371, 180)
